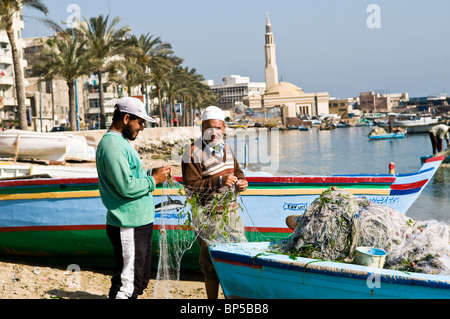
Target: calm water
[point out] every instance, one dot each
(348, 151)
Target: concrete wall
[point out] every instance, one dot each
(150, 133)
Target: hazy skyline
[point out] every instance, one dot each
(322, 45)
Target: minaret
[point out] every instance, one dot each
(271, 59)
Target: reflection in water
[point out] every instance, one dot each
(347, 151)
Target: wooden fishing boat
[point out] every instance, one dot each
(250, 270)
(65, 218)
(387, 136)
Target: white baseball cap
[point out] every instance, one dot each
(132, 105)
(213, 113)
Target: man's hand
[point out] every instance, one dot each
(229, 180)
(162, 173)
(241, 185)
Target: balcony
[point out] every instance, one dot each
(6, 59)
(106, 96)
(6, 80)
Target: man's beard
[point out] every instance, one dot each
(128, 133)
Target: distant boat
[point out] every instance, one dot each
(387, 136)
(236, 125)
(327, 127)
(252, 271)
(364, 123)
(420, 124)
(304, 128)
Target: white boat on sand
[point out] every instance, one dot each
(57, 147)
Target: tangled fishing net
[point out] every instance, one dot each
(337, 222)
(184, 215)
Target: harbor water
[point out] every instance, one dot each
(346, 151)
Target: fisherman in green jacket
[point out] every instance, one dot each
(126, 191)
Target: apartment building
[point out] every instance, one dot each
(234, 89)
(381, 101)
(8, 100)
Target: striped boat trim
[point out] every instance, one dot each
(259, 189)
(174, 192)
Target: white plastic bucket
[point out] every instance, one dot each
(370, 257)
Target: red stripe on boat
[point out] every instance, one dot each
(323, 179)
(50, 228)
(268, 229)
(435, 159)
(52, 181)
(236, 263)
(409, 186)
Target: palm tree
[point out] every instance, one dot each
(160, 66)
(9, 8)
(104, 43)
(67, 59)
(174, 82)
(151, 52)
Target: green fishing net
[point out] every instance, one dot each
(337, 222)
(216, 217)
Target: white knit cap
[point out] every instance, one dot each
(213, 113)
(133, 106)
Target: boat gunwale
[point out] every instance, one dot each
(325, 267)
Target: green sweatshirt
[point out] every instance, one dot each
(125, 187)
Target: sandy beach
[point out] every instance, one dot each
(26, 280)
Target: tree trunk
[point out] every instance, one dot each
(18, 76)
(101, 101)
(72, 107)
(161, 114)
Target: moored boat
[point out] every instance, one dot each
(387, 136)
(66, 218)
(251, 270)
(416, 124)
(304, 128)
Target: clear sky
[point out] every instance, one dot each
(322, 45)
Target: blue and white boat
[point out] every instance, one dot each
(250, 270)
(387, 136)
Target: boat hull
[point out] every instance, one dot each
(66, 217)
(387, 136)
(249, 270)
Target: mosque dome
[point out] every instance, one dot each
(284, 89)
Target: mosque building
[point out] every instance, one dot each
(294, 102)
